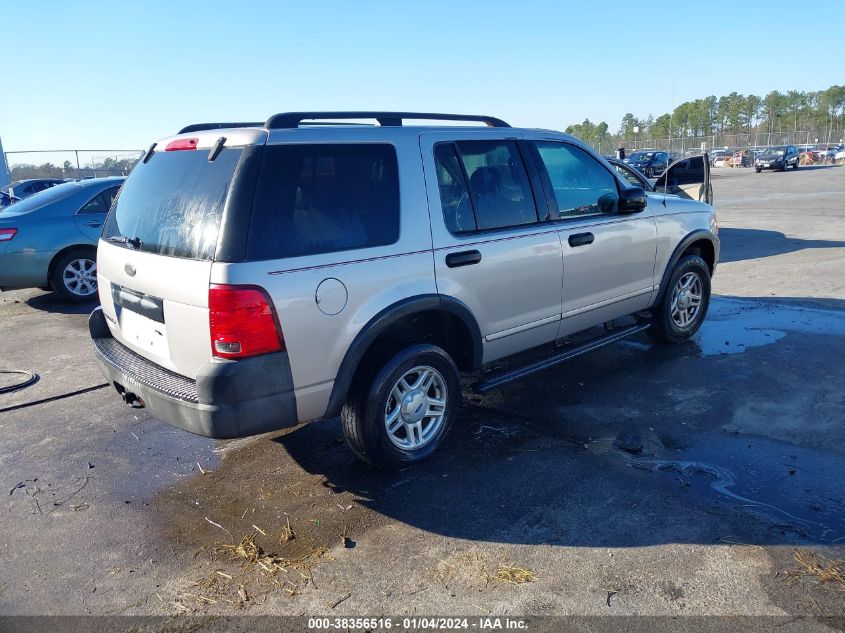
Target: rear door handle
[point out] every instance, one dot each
(464, 258)
(581, 239)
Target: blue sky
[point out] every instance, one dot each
(122, 74)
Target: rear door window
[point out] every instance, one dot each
(174, 203)
(483, 185)
(323, 198)
(101, 203)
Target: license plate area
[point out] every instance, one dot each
(141, 320)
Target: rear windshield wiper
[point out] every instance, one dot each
(134, 242)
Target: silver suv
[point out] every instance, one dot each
(255, 276)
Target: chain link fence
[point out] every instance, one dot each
(719, 141)
(71, 163)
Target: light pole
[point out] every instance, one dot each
(636, 131)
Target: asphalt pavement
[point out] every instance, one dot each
(641, 479)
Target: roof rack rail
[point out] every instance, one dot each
(293, 119)
(199, 127)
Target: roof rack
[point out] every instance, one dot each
(199, 127)
(287, 120)
(394, 119)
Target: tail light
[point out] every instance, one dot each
(181, 143)
(7, 234)
(243, 322)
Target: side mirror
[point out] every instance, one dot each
(632, 200)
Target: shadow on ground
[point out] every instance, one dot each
(51, 302)
(742, 244)
(721, 440)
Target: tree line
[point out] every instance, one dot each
(107, 167)
(820, 113)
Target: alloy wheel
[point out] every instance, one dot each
(80, 277)
(686, 300)
(415, 408)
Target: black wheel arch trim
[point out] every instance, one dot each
(683, 245)
(383, 320)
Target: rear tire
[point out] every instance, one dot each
(392, 426)
(74, 276)
(685, 302)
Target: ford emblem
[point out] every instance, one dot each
(130, 270)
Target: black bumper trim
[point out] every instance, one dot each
(229, 398)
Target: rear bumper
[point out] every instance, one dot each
(24, 270)
(228, 399)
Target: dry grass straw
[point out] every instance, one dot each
(471, 567)
(287, 534)
(814, 566)
(250, 554)
(513, 574)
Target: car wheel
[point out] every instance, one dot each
(795, 165)
(74, 276)
(402, 415)
(757, 170)
(685, 301)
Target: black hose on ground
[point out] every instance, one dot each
(31, 378)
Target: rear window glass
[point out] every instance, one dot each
(314, 199)
(174, 203)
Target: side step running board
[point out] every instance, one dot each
(555, 359)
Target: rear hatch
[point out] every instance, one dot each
(159, 241)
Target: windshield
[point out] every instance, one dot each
(774, 151)
(641, 157)
(173, 204)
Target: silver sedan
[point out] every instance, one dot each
(49, 240)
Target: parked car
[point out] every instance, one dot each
(21, 189)
(688, 178)
(717, 154)
(825, 153)
(741, 158)
(48, 240)
(840, 155)
(777, 157)
(255, 277)
(650, 163)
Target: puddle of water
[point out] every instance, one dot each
(732, 325)
(796, 489)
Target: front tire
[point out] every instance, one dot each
(402, 415)
(74, 276)
(685, 302)
(757, 170)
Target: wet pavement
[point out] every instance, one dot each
(639, 479)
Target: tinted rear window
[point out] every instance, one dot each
(324, 198)
(174, 203)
